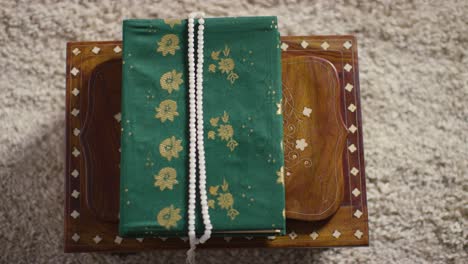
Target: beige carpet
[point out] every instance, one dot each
(414, 83)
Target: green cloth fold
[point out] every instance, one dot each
(243, 127)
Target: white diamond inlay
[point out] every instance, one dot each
(227, 239)
(284, 46)
(117, 49)
(75, 173)
(354, 171)
(76, 132)
(140, 240)
(301, 144)
(97, 239)
(74, 71)
(75, 91)
(356, 192)
(75, 112)
(118, 240)
(75, 152)
(358, 213)
(75, 214)
(347, 44)
(304, 44)
(348, 67)
(96, 50)
(75, 237)
(271, 237)
(76, 51)
(163, 238)
(325, 45)
(314, 235)
(352, 108)
(75, 194)
(336, 234)
(352, 148)
(307, 111)
(118, 117)
(292, 235)
(352, 128)
(349, 87)
(358, 234)
(248, 237)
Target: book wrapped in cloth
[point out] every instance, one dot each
(243, 127)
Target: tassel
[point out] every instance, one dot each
(191, 252)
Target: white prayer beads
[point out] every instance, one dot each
(196, 135)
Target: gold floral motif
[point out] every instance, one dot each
(232, 77)
(170, 148)
(211, 134)
(172, 22)
(168, 217)
(211, 203)
(166, 178)
(232, 144)
(214, 190)
(280, 175)
(225, 117)
(214, 121)
(215, 55)
(167, 110)
(169, 44)
(225, 64)
(232, 213)
(225, 131)
(225, 199)
(171, 81)
(212, 68)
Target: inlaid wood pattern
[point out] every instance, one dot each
(314, 138)
(92, 177)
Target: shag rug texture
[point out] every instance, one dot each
(414, 84)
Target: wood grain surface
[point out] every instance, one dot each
(312, 115)
(334, 189)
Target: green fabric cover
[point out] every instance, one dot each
(243, 127)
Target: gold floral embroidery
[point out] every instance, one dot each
(171, 81)
(211, 134)
(169, 216)
(225, 199)
(172, 22)
(170, 148)
(214, 190)
(212, 68)
(167, 110)
(166, 178)
(280, 175)
(225, 131)
(226, 64)
(211, 203)
(214, 121)
(169, 44)
(232, 213)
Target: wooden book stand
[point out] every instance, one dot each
(325, 182)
